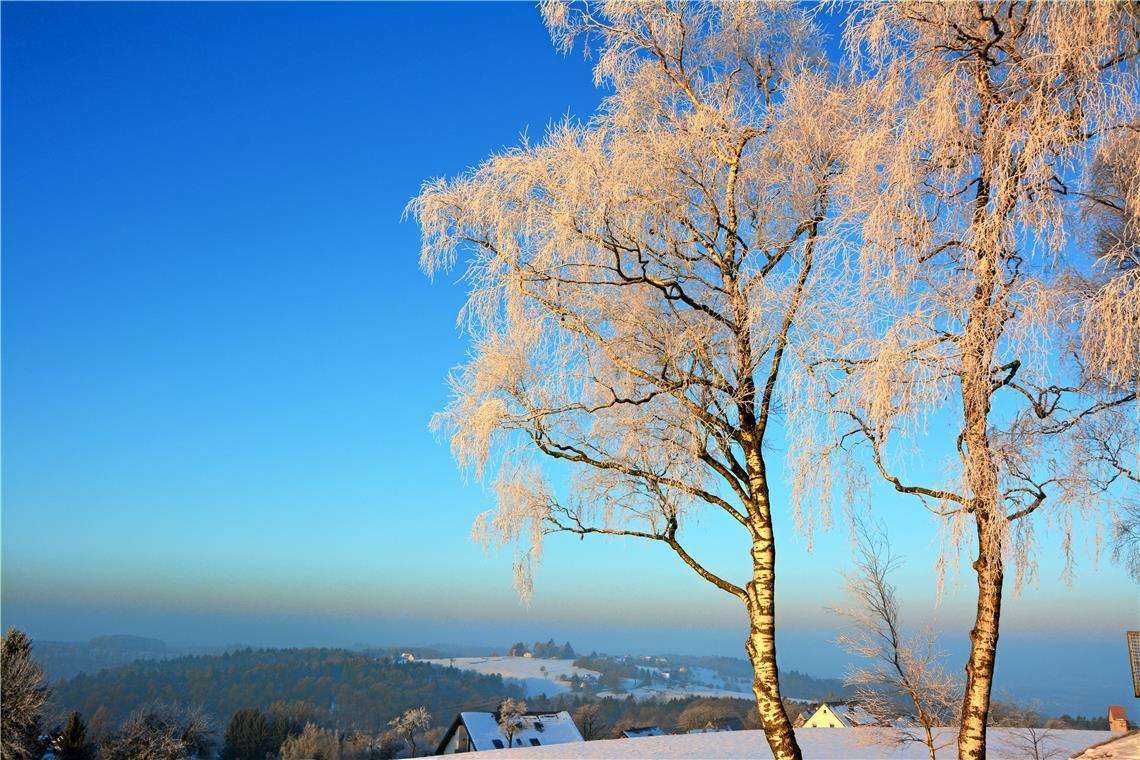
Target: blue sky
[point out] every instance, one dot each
(220, 356)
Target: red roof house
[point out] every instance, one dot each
(1117, 718)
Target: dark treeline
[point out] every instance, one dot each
(351, 691)
(613, 715)
(732, 672)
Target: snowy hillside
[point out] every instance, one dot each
(537, 675)
(542, 676)
(816, 743)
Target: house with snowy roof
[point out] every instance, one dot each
(840, 715)
(479, 731)
(640, 731)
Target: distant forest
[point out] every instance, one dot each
(354, 691)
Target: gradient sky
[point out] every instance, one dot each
(220, 356)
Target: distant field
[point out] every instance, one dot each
(527, 670)
(677, 692)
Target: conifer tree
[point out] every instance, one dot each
(23, 696)
(72, 743)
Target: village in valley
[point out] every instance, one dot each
(542, 699)
(549, 670)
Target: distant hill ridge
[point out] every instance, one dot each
(359, 691)
(65, 659)
(128, 642)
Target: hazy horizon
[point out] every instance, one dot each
(1086, 670)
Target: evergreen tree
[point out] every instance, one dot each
(72, 743)
(22, 695)
(248, 737)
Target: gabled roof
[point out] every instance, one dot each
(539, 729)
(1116, 712)
(849, 714)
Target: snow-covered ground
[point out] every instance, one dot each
(702, 682)
(527, 671)
(673, 691)
(1125, 747)
(816, 743)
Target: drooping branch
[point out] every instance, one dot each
(572, 453)
(668, 536)
(922, 492)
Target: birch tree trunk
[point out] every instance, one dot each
(761, 643)
(983, 654)
(982, 332)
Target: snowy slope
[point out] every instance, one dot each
(526, 670)
(816, 743)
(1123, 747)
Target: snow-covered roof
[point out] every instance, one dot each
(539, 729)
(639, 731)
(852, 715)
(839, 715)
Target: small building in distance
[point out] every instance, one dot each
(839, 715)
(731, 723)
(640, 731)
(479, 731)
(1117, 718)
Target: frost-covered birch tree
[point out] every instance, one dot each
(903, 668)
(975, 311)
(512, 719)
(409, 724)
(637, 282)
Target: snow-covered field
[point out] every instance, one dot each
(816, 743)
(665, 693)
(528, 671)
(702, 683)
